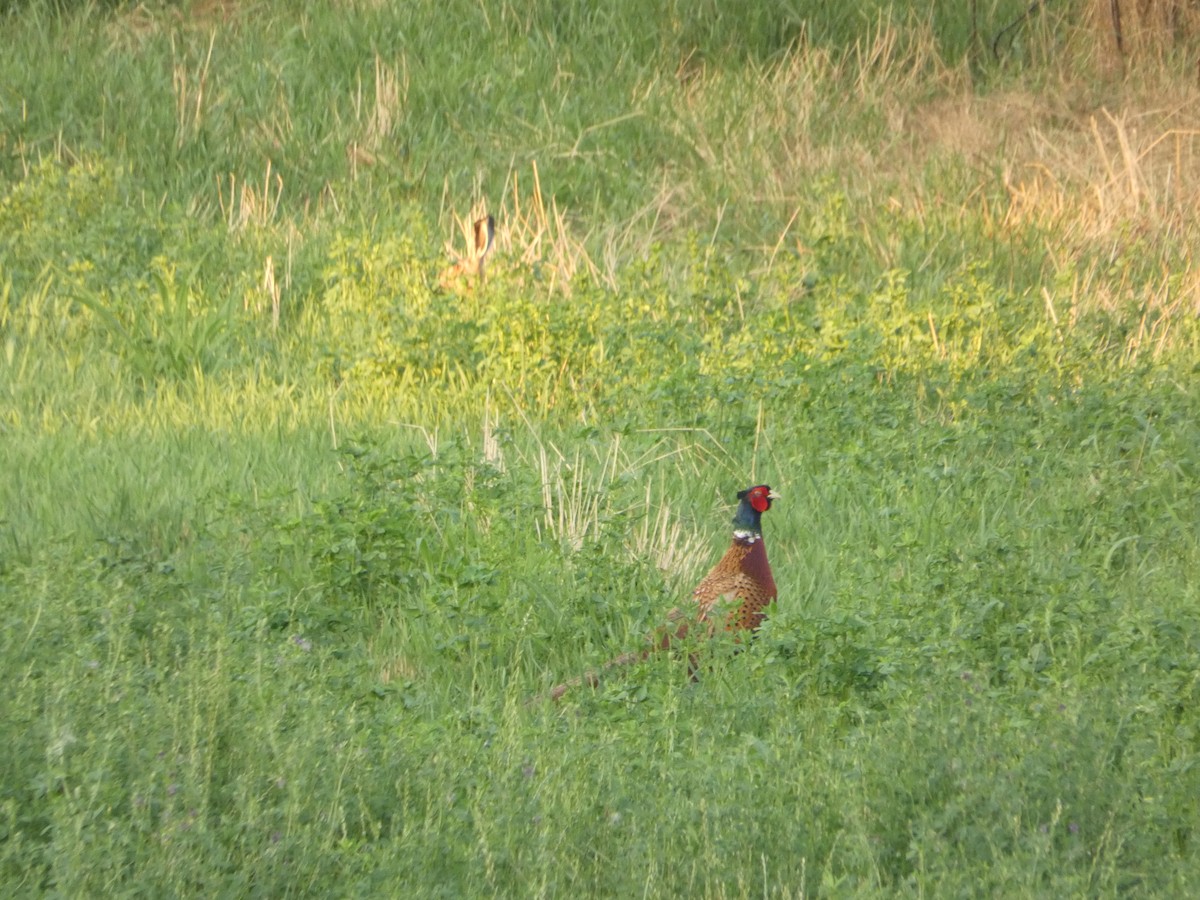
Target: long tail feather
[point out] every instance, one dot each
(663, 639)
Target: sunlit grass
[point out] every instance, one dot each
(291, 536)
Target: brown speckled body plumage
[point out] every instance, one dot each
(742, 580)
(740, 586)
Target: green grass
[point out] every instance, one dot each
(290, 536)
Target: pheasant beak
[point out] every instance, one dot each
(772, 496)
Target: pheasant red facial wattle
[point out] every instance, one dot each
(740, 587)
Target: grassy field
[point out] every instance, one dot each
(290, 535)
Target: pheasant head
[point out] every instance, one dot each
(752, 503)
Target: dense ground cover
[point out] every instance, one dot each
(290, 534)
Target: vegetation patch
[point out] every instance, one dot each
(294, 532)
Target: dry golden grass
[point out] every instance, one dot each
(1136, 166)
(532, 231)
(1123, 33)
(1101, 157)
(378, 112)
(246, 204)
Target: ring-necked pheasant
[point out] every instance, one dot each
(740, 582)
